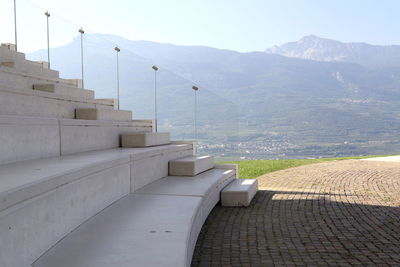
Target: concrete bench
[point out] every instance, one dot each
(239, 193)
(158, 226)
(191, 166)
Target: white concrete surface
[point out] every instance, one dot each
(30, 138)
(239, 193)
(32, 68)
(385, 159)
(7, 52)
(156, 226)
(103, 114)
(43, 200)
(24, 138)
(87, 135)
(29, 229)
(190, 166)
(145, 139)
(138, 230)
(64, 90)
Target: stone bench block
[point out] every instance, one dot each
(103, 114)
(239, 193)
(190, 166)
(144, 139)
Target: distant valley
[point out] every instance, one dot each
(311, 98)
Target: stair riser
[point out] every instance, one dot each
(145, 140)
(100, 114)
(66, 91)
(10, 78)
(32, 138)
(36, 225)
(8, 55)
(32, 68)
(27, 105)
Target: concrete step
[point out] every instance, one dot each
(8, 53)
(156, 226)
(239, 193)
(32, 138)
(64, 90)
(103, 114)
(12, 78)
(144, 139)
(43, 200)
(191, 166)
(43, 104)
(32, 68)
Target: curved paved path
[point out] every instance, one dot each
(339, 213)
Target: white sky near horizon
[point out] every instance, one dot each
(241, 25)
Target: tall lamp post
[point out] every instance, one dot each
(117, 50)
(195, 89)
(81, 31)
(47, 14)
(15, 25)
(155, 68)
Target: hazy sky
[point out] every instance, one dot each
(243, 25)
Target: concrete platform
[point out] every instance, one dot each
(239, 193)
(144, 139)
(190, 166)
(103, 114)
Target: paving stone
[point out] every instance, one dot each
(341, 213)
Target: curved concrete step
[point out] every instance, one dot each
(43, 200)
(155, 227)
(103, 114)
(144, 139)
(191, 166)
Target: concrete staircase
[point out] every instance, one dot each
(82, 184)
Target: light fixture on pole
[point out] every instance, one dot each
(15, 25)
(155, 68)
(47, 14)
(195, 89)
(117, 50)
(81, 31)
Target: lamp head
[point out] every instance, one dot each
(81, 31)
(117, 49)
(47, 14)
(155, 68)
(195, 88)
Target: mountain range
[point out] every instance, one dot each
(315, 97)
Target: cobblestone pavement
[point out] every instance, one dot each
(340, 213)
